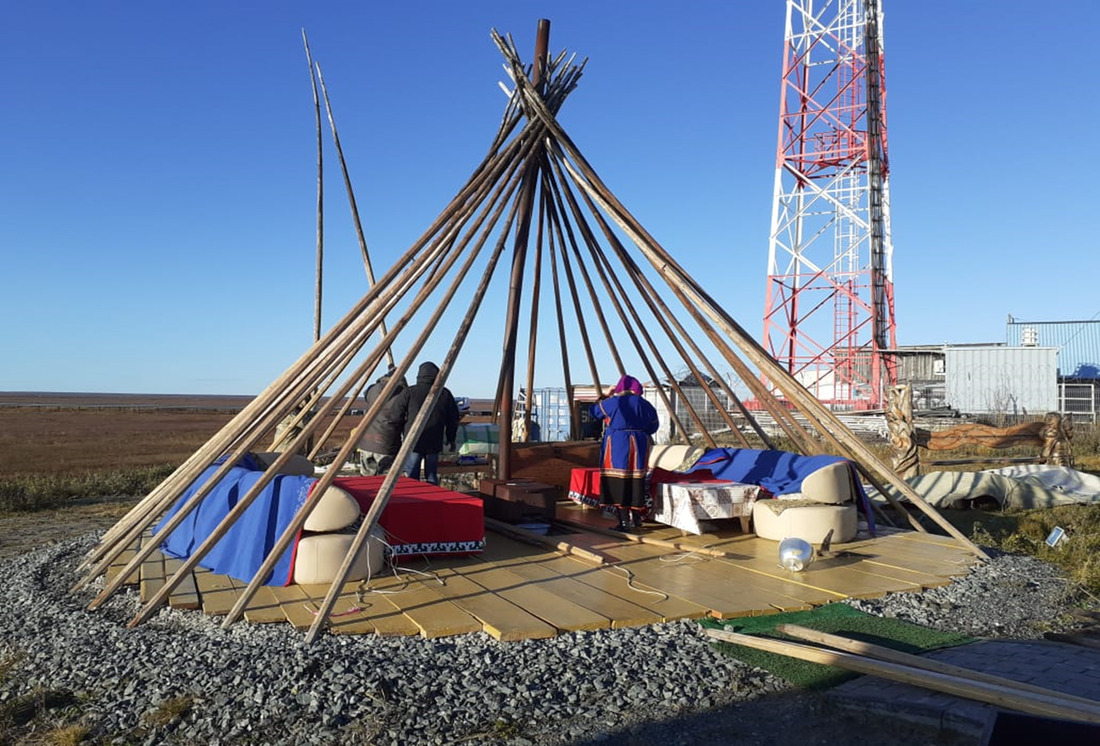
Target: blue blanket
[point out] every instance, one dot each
(779, 472)
(241, 552)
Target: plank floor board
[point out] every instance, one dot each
(513, 556)
(499, 617)
(418, 600)
(186, 594)
(538, 598)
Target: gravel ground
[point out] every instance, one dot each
(180, 678)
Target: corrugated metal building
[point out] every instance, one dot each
(1001, 380)
(1078, 344)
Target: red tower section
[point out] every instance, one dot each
(829, 316)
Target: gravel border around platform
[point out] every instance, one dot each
(261, 684)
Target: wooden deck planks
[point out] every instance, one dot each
(417, 598)
(500, 617)
(538, 599)
(119, 563)
(725, 594)
(152, 573)
(517, 591)
(350, 616)
(517, 558)
(186, 594)
(216, 592)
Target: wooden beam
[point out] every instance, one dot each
(1028, 702)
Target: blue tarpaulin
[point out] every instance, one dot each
(241, 552)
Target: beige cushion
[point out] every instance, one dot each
(829, 484)
(298, 465)
(320, 556)
(810, 522)
(668, 457)
(336, 509)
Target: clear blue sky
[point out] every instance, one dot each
(157, 212)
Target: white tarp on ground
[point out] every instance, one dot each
(1030, 487)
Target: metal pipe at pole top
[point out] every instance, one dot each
(542, 45)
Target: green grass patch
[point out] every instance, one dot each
(836, 618)
(48, 491)
(1025, 532)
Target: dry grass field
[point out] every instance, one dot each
(77, 434)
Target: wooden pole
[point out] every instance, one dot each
(882, 653)
(627, 313)
(675, 276)
(351, 201)
(1001, 696)
(380, 500)
(319, 282)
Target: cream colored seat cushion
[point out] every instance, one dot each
(809, 522)
(669, 457)
(336, 509)
(319, 557)
(829, 484)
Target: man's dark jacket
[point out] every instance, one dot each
(382, 435)
(443, 421)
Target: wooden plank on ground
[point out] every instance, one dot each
(617, 582)
(350, 616)
(838, 575)
(263, 607)
(216, 592)
(499, 617)
(537, 599)
(724, 591)
(528, 563)
(119, 563)
(152, 575)
(186, 594)
(415, 595)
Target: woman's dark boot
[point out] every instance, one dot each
(623, 524)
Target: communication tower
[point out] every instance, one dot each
(829, 316)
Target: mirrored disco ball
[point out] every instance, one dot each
(795, 554)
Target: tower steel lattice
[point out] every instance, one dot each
(829, 316)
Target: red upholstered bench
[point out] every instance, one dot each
(421, 518)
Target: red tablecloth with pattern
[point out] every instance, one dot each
(421, 518)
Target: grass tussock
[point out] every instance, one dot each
(47, 491)
(67, 735)
(1025, 532)
(170, 710)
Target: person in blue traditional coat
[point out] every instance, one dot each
(629, 422)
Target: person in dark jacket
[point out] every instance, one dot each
(442, 423)
(379, 443)
(629, 424)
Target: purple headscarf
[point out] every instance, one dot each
(628, 383)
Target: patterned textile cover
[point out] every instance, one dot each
(584, 484)
(683, 505)
(422, 519)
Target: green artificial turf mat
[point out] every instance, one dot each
(839, 619)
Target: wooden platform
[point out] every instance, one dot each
(516, 590)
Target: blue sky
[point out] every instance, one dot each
(157, 192)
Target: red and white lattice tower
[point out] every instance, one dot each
(829, 317)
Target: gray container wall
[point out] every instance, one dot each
(1013, 381)
(550, 408)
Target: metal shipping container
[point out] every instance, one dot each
(550, 409)
(1012, 381)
